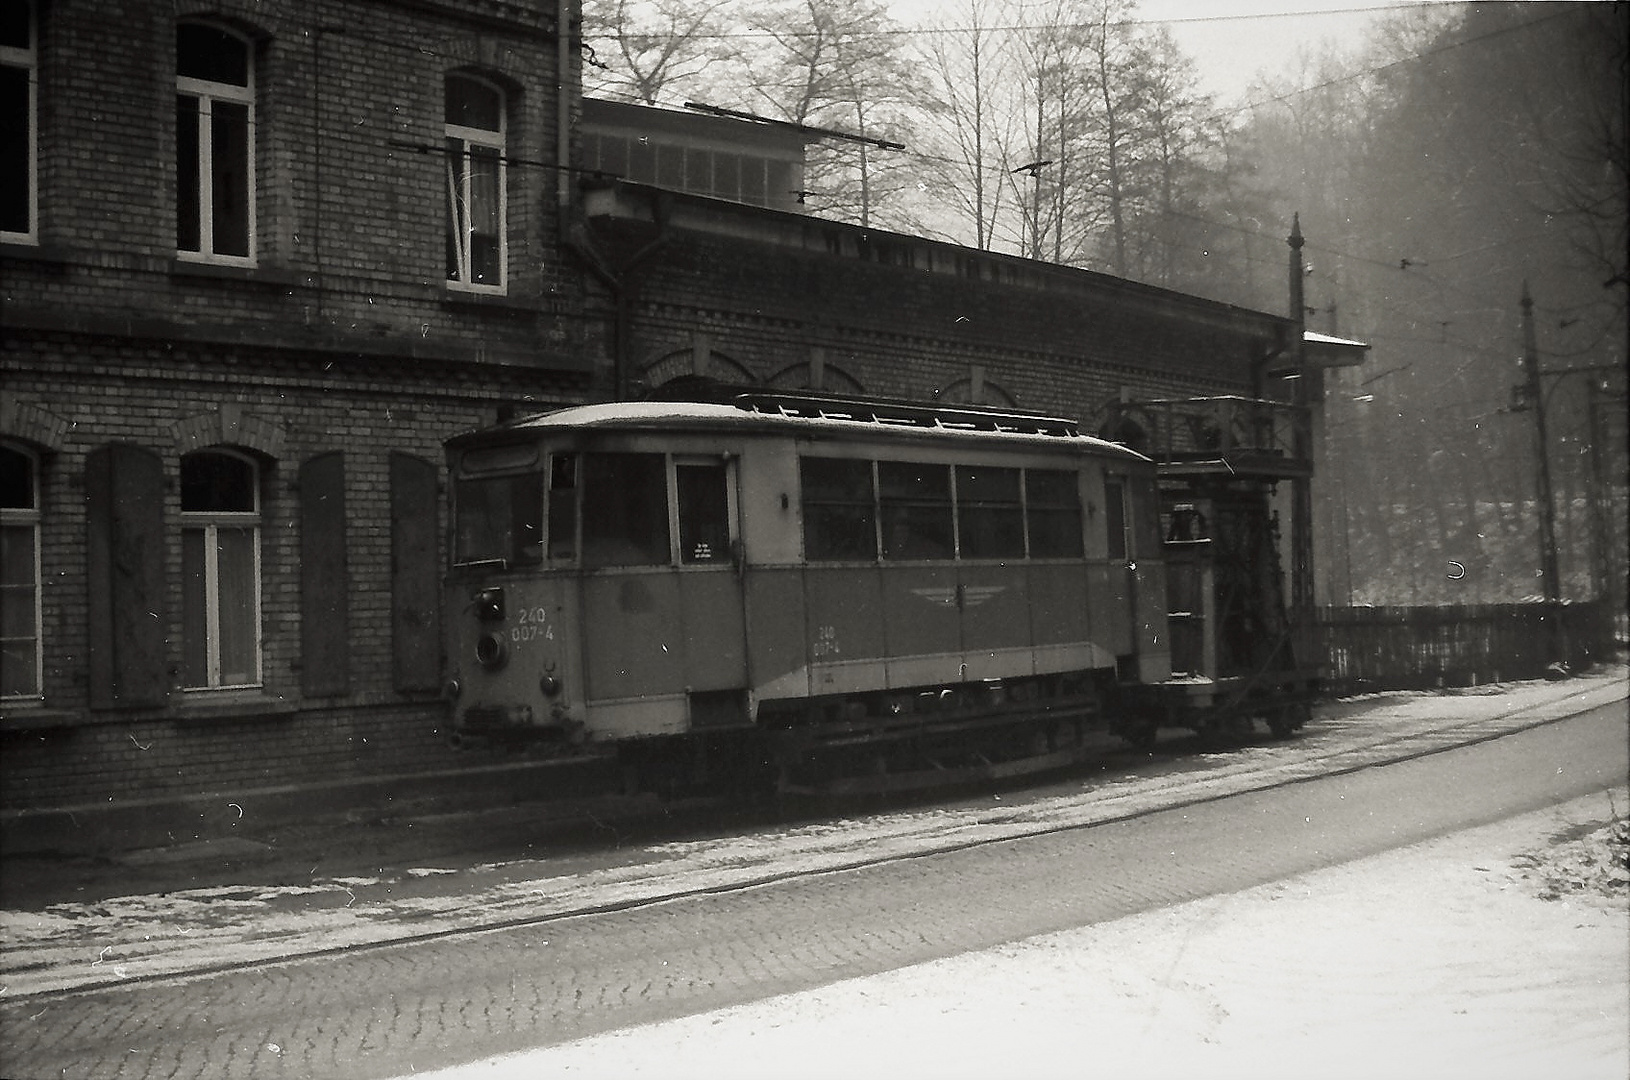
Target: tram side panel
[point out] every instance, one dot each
(721, 609)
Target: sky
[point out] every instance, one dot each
(1232, 40)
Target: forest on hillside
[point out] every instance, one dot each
(1459, 154)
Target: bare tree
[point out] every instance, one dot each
(967, 67)
(838, 64)
(644, 48)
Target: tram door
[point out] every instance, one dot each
(664, 643)
(711, 616)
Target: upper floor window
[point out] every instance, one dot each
(215, 144)
(19, 574)
(739, 176)
(19, 122)
(476, 245)
(220, 569)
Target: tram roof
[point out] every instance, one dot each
(824, 416)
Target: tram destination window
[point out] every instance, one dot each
(915, 510)
(990, 515)
(499, 518)
(625, 510)
(839, 516)
(1053, 514)
(704, 513)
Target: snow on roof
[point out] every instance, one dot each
(1313, 337)
(704, 415)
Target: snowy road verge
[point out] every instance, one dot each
(1459, 957)
(69, 946)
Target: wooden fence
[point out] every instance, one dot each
(1403, 648)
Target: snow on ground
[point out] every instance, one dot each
(150, 935)
(1501, 952)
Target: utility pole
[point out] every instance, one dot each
(1305, 393)
(1535, 395)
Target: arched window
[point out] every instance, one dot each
(220, 567)
(215, 144)
(476, 246)
(19, 573)
(19, 122)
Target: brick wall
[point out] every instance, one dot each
(169, 399)
(350, 192)
(900, 317)
(343, 335)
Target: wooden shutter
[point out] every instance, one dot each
(415, 615)
(125, 542)
(325, 623)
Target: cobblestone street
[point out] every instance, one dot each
(390, 1010)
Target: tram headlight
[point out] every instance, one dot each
(451, 689)
(549, 685)
(488, 604)
(490, 652)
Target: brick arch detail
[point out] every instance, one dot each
(33, 425)
(961, 392)
(800, 377)
(681, 363)
(229, 425)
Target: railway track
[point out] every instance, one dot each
(191, 935)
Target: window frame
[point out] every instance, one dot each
(1039, 512)
(975, 515)
(27, 60)
(1022, 511)
(207, 93)
(861, 512)
(458, 186)
(29, 518)
(1118, 518)
(909, 497)
(630, 548)
(211, 522)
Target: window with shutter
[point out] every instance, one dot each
(125, 545)
(325, 626)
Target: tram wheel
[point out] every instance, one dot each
(1286, 720)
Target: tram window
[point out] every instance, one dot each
(1053, 514)
(990, 517)
(562, 507)
(839, 519)
(625, 510)
(1115, 518)
(499, 517)
(915, 510)
(704, 513)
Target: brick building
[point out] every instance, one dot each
(700, 288)
(262, 258)
(258, 263)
